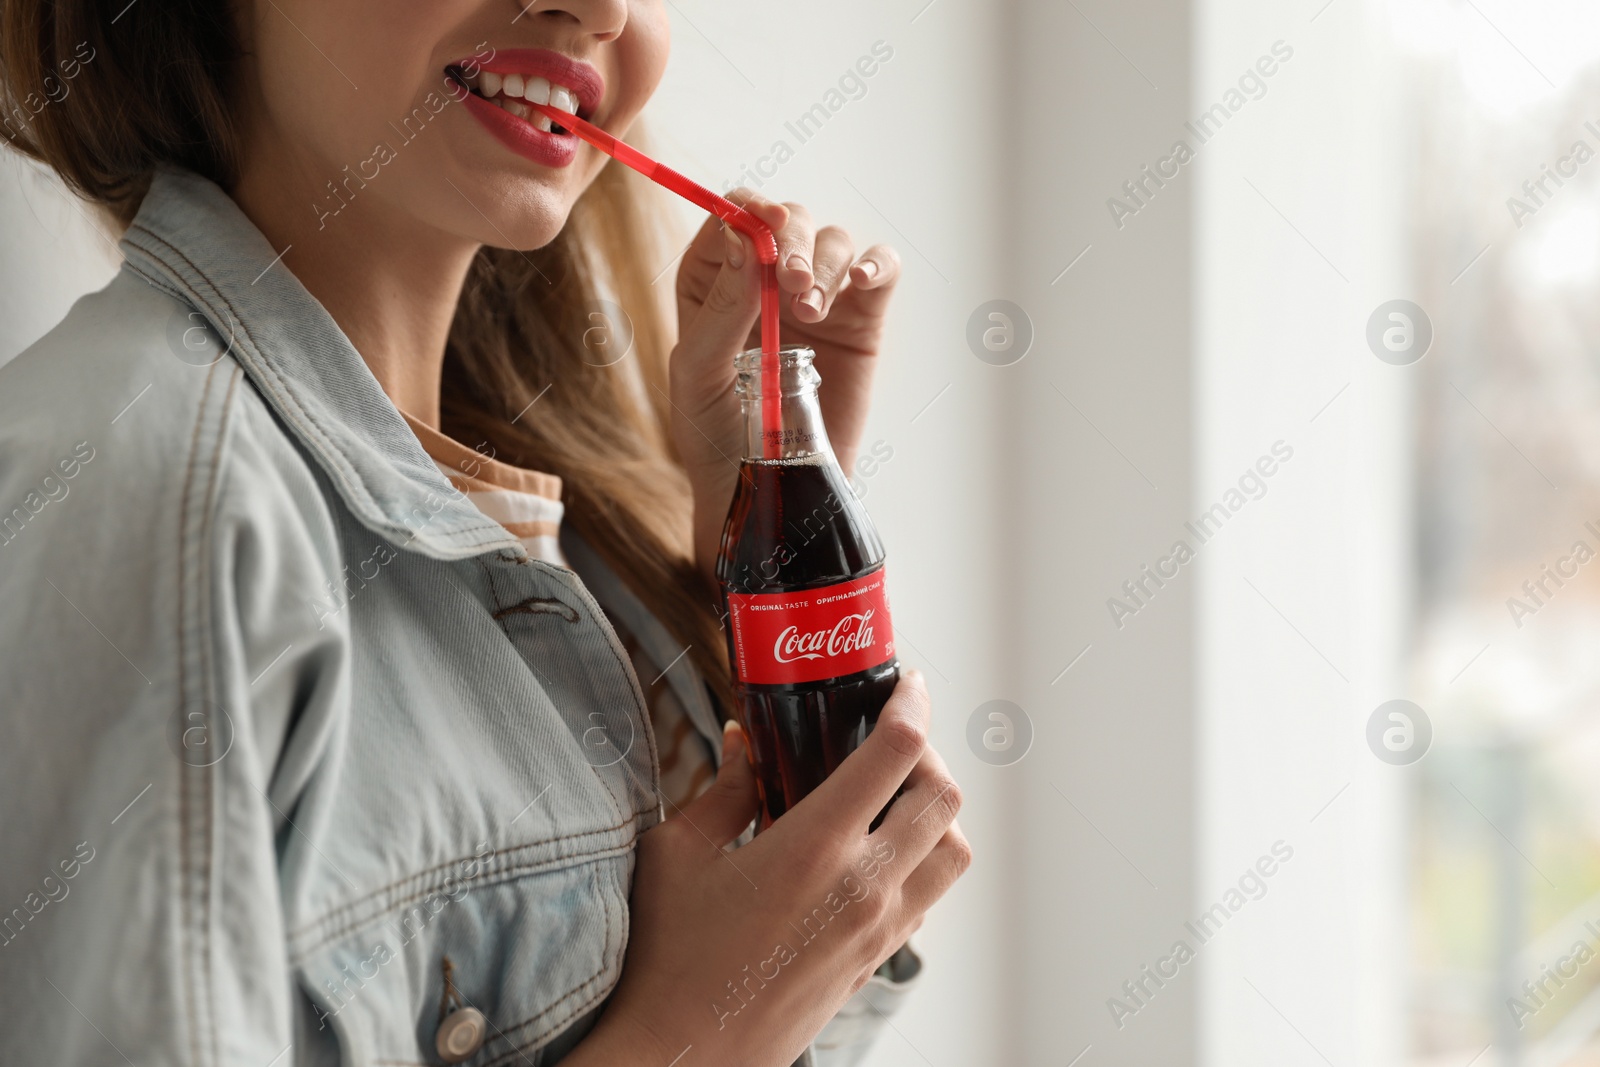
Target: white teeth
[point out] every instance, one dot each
(513, 92)
(506, 89)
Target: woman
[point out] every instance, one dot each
(358, 616)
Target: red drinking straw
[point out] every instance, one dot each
(760, 235)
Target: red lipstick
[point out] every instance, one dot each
(522, 136)
(580, 77)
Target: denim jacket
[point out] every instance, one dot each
(285, 722)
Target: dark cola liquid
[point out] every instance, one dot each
(796, 525)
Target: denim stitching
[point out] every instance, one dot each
(185, 843)
(209, 773)
(275, 384)
(610, 960)
(267, 369)
(514, 870)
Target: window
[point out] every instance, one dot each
(1504, 868)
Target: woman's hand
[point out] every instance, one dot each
(746, 955)
(831, 300)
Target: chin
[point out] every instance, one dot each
(523, 213)
(492, 197)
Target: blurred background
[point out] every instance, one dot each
(1244, 407)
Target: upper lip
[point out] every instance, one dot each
(582, 78)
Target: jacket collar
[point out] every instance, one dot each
(190, 239)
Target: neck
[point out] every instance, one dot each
(391, 283)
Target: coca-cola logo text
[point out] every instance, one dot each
(851, 633)
(811, 634)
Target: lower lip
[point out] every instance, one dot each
(523, 138)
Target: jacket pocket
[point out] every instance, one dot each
(534, 953)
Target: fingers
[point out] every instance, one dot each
(854, 794)
(711, 245)
(791, 236)
(700, 261)
(707, 241)
(712, 330)
(795, 250)
(771, 212)
(722, 812)
(834, 250)
(814, 264)
(873, 278)
(919, 816)
(938, 871)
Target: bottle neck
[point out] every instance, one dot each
(800, 432)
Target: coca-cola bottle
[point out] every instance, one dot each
(801, 568)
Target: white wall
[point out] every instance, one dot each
(1302, 597)
(1099, 482)
(1192, 335)
(50, 255)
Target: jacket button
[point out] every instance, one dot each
(461, 1034)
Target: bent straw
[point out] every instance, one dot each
(760, 235)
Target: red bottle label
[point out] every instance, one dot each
(812, 635)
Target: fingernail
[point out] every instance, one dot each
(813, 299)
(730, 739)
(868, 269)
(735, 252)
(799, 263)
